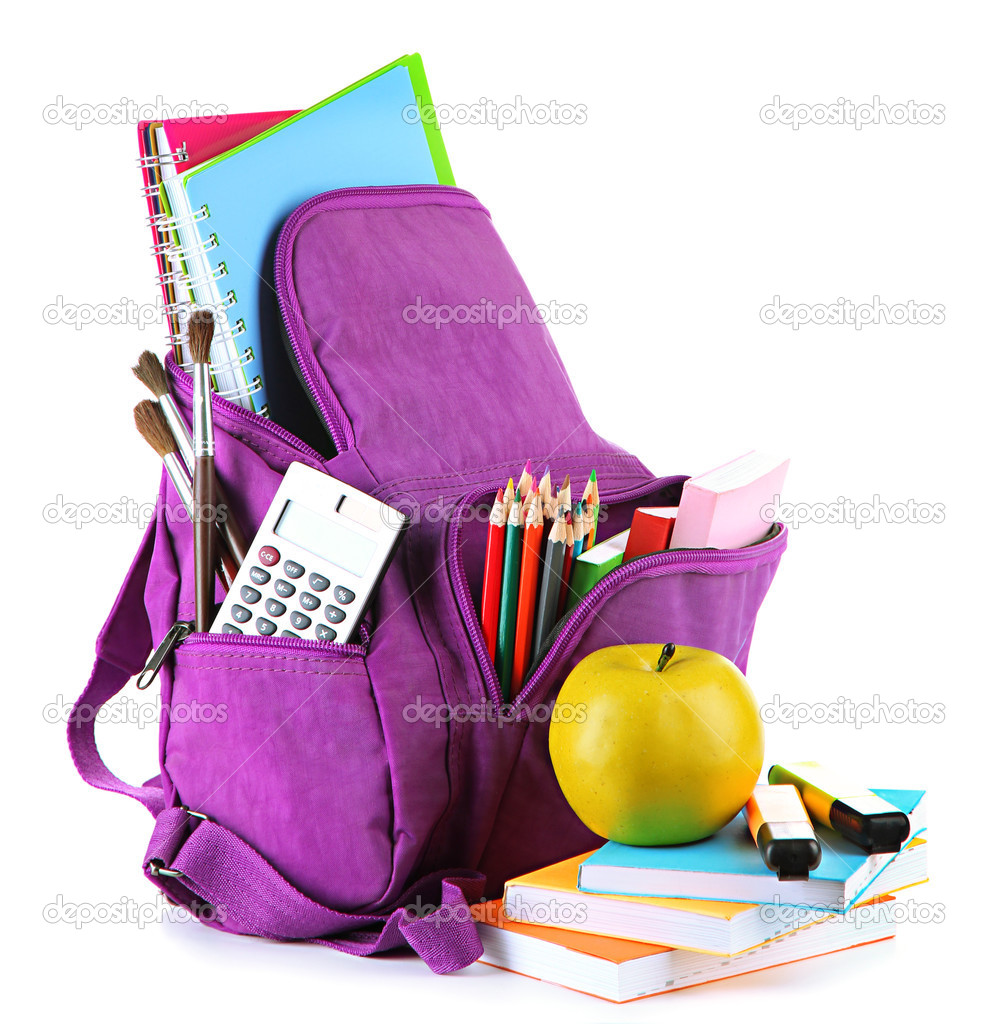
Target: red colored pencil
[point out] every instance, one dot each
(531, 557)
(490, 602)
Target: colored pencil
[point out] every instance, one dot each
(579, 528)
(555, 553)
(588, 497)
(526, 480)
(567, 566)
(531, 558)
(545, 486)
(508, 613)
(596, 508)
(490, 600)
(509, 493)
(565, 497)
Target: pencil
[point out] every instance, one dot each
(565, 497)
(509, 494)
(555, 552)
(531, 558)
(507, 619)
(545, 486)
(490, 600)
(526, 480)
(579, 528)
(596, 508)
(588, 497)
(567, 566)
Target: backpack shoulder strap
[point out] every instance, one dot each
(122, 649)
(226, 883)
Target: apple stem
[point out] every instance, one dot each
(665, 657)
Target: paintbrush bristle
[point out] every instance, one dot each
(201, 326)
(150, 371)
(151, 423)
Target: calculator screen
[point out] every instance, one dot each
(326, 538)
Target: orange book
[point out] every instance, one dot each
(620, 970)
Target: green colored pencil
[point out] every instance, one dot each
(508, 612)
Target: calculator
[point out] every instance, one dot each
(315, 563)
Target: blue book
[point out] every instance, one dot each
(729, 868)
(228, 211)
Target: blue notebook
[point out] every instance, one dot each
(229, 210)
(728, 867)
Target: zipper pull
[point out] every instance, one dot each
(172, 639)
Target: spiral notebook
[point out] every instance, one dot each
(191, 142)
(226, 213)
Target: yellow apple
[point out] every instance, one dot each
(656, 744)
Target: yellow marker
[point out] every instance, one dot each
(782, 831)
(852, 810)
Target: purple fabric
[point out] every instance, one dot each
(330, 793)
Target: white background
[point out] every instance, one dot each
(674, 214)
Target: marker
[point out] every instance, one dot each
(852, 810)
(778, 823)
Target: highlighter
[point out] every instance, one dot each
(850, 809)
(782, 831)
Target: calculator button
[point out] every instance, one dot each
(300, 621)
(293, 570)
(318, 582)
(343, 596)
(258, 575)
(325, 633)
(334, 614)
(283, 588)
(240, 614)
(249, 595)
(288, 633)
(229, 627)
(273, 607)
(265, 626)
(309, 601)
(269, 555)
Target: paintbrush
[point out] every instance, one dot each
(151, 422)
(152, 374)
(201, 327)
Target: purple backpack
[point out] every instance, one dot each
(362, 795)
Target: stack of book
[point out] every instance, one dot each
(626, 922)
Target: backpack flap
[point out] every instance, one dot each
(419, 343)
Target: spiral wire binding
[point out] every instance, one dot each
(170, 251)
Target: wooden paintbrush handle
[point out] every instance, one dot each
(204, 526)
(236, 542)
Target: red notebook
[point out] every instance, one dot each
(651, 530)
(200, 139)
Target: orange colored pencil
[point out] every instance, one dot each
(531, 557)
(490, 601)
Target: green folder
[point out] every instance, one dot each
(593, 565)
